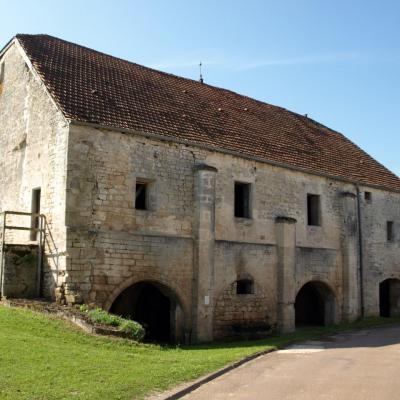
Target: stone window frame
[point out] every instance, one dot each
(149, 201)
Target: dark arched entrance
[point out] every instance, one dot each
(154, 306)
(314, 305)
(389, 298)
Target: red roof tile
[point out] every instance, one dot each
(90, 86)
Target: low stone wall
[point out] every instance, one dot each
(244, 316)
(20, 271)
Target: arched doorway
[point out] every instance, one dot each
(389, 298)
(153, 305)
(315, 305)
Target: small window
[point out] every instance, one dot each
(35, 209)
(367, 196)
(313, 210)
(244, 286)
(242, 200)
(141, 196)
(389, 231)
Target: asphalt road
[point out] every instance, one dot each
(361, 365)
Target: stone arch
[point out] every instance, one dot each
(389, 297)
(153, 303)
(246, 316)
(315, 304)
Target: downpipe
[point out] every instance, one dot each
(2, 255)
(360, 251)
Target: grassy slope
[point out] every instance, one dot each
(45, 358)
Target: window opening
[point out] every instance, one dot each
(313, 209)
(141, 196)
(389, 231)
(242, 200)
(244, 286)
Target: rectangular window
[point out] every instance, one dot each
(242, 200)
(244, 286)
(367, 196)
(141, 196)
(389, 231)
(313, 210)
(35, 209)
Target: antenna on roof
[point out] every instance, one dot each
(201, 75)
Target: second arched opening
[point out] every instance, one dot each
(315, 305)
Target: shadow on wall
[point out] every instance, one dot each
(21, 275)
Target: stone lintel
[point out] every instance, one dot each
(285, 220)
(204, 167)
(348, 194)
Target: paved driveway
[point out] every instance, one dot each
(355, 366)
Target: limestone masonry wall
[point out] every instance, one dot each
(157, 244)
(381, 257)
(33, 141)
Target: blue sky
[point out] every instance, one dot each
(338, 61)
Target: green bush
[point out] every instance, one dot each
(84, 308)
(98, 316)
(133, 329)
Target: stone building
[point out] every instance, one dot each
(200, 212)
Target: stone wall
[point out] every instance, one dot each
(112, 245)
(33, 139)
(246, 315)
(381, 258)
(103, 168)
(101, 264)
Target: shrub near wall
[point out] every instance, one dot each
(132, 329)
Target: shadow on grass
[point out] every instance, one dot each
(301, 334)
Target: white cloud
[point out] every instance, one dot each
(234, 65)
(181, 64)
(311, 59)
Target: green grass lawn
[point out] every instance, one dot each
(46, 358)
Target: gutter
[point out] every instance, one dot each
(2, 265)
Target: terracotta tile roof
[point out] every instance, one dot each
(94, 87)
